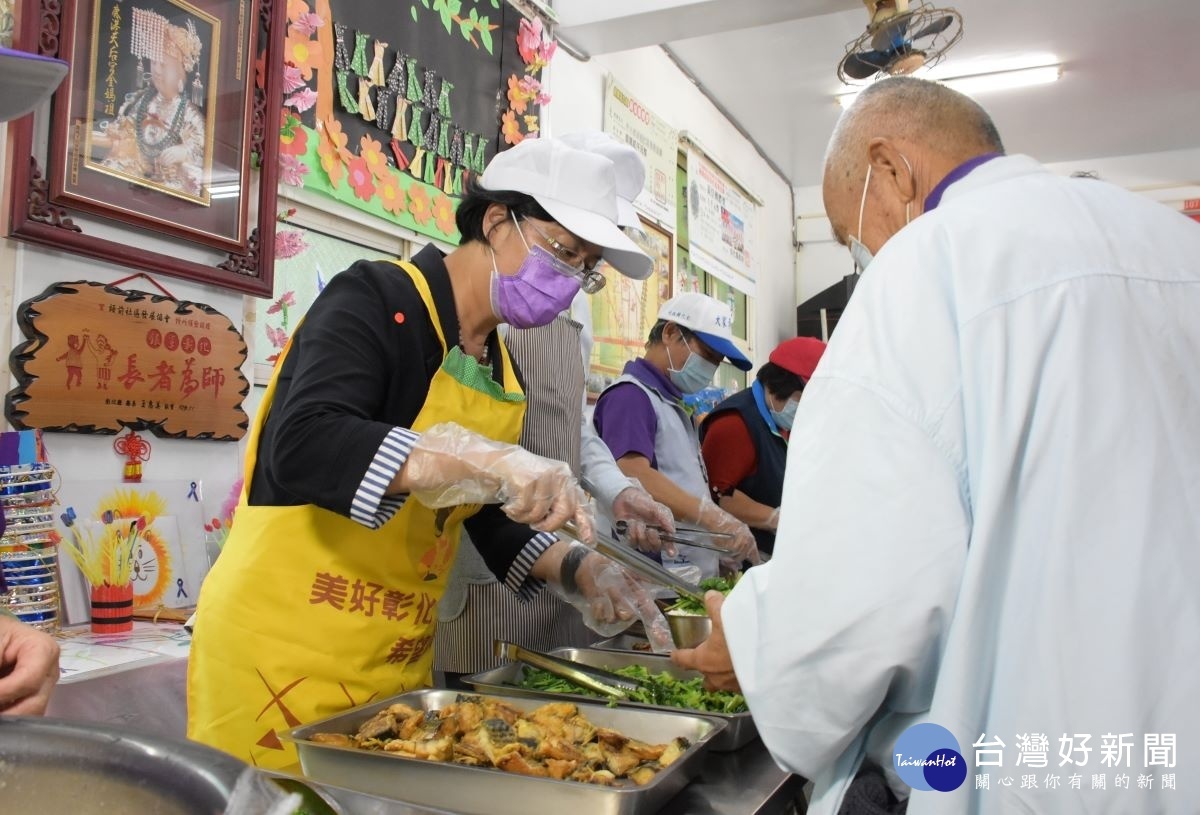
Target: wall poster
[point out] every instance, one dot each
(658, 143)
(169, 560)
(728, 377)
(722, 223)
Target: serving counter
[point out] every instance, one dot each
(744, 782)
(137, 682)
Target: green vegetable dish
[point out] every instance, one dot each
(662, 689)
(686, 605)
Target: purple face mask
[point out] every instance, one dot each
(540, 290)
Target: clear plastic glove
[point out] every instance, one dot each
(644, 519)
(772, 520)
(715, 519)
(609, 598)
(451, 465)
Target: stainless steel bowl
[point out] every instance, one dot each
(49, 765)
(689, 630)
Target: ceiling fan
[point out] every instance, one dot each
(900, 39)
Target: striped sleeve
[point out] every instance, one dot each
(518, 579)
(371, 507)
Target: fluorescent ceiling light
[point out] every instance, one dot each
(982, 83)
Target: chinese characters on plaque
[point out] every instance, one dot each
(99, 359)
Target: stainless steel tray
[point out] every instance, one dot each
(486, 791)
(739, 730)
(624, 642)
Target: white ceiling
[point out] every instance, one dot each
(1130, 82)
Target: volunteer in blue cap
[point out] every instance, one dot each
(651, 434)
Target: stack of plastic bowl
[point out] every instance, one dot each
(29, 583)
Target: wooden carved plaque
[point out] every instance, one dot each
(99, 359)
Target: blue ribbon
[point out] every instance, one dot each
(179, 584)
(192, 491)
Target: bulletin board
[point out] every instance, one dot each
(391, 108)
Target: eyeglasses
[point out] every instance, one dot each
(590, 278)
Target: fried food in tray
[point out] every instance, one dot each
(553, 741)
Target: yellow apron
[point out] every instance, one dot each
(307, 613)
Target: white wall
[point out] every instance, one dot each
(820, 260)
(578, 92)
(26, 270)
(1170, 177)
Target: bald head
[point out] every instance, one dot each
(917, 112)
(911, 133)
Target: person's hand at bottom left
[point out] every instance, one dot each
(28, 668)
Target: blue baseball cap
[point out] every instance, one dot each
(710, 320)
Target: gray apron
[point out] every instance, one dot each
(476, 608)
(677, 456)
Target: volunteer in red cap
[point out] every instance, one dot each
(744, 439)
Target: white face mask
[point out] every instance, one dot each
(861, 254)
(696, 374)
(784, 418)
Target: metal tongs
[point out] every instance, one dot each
(685, 535)
(594, 679)
(636, 562)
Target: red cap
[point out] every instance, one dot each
(799, 355)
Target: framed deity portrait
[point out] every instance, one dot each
(149, 110)
(161, 126)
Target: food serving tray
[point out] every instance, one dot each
(739, 730)
(488, 791)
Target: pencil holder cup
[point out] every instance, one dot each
(112, 608)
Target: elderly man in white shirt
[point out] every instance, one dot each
(991, 514)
